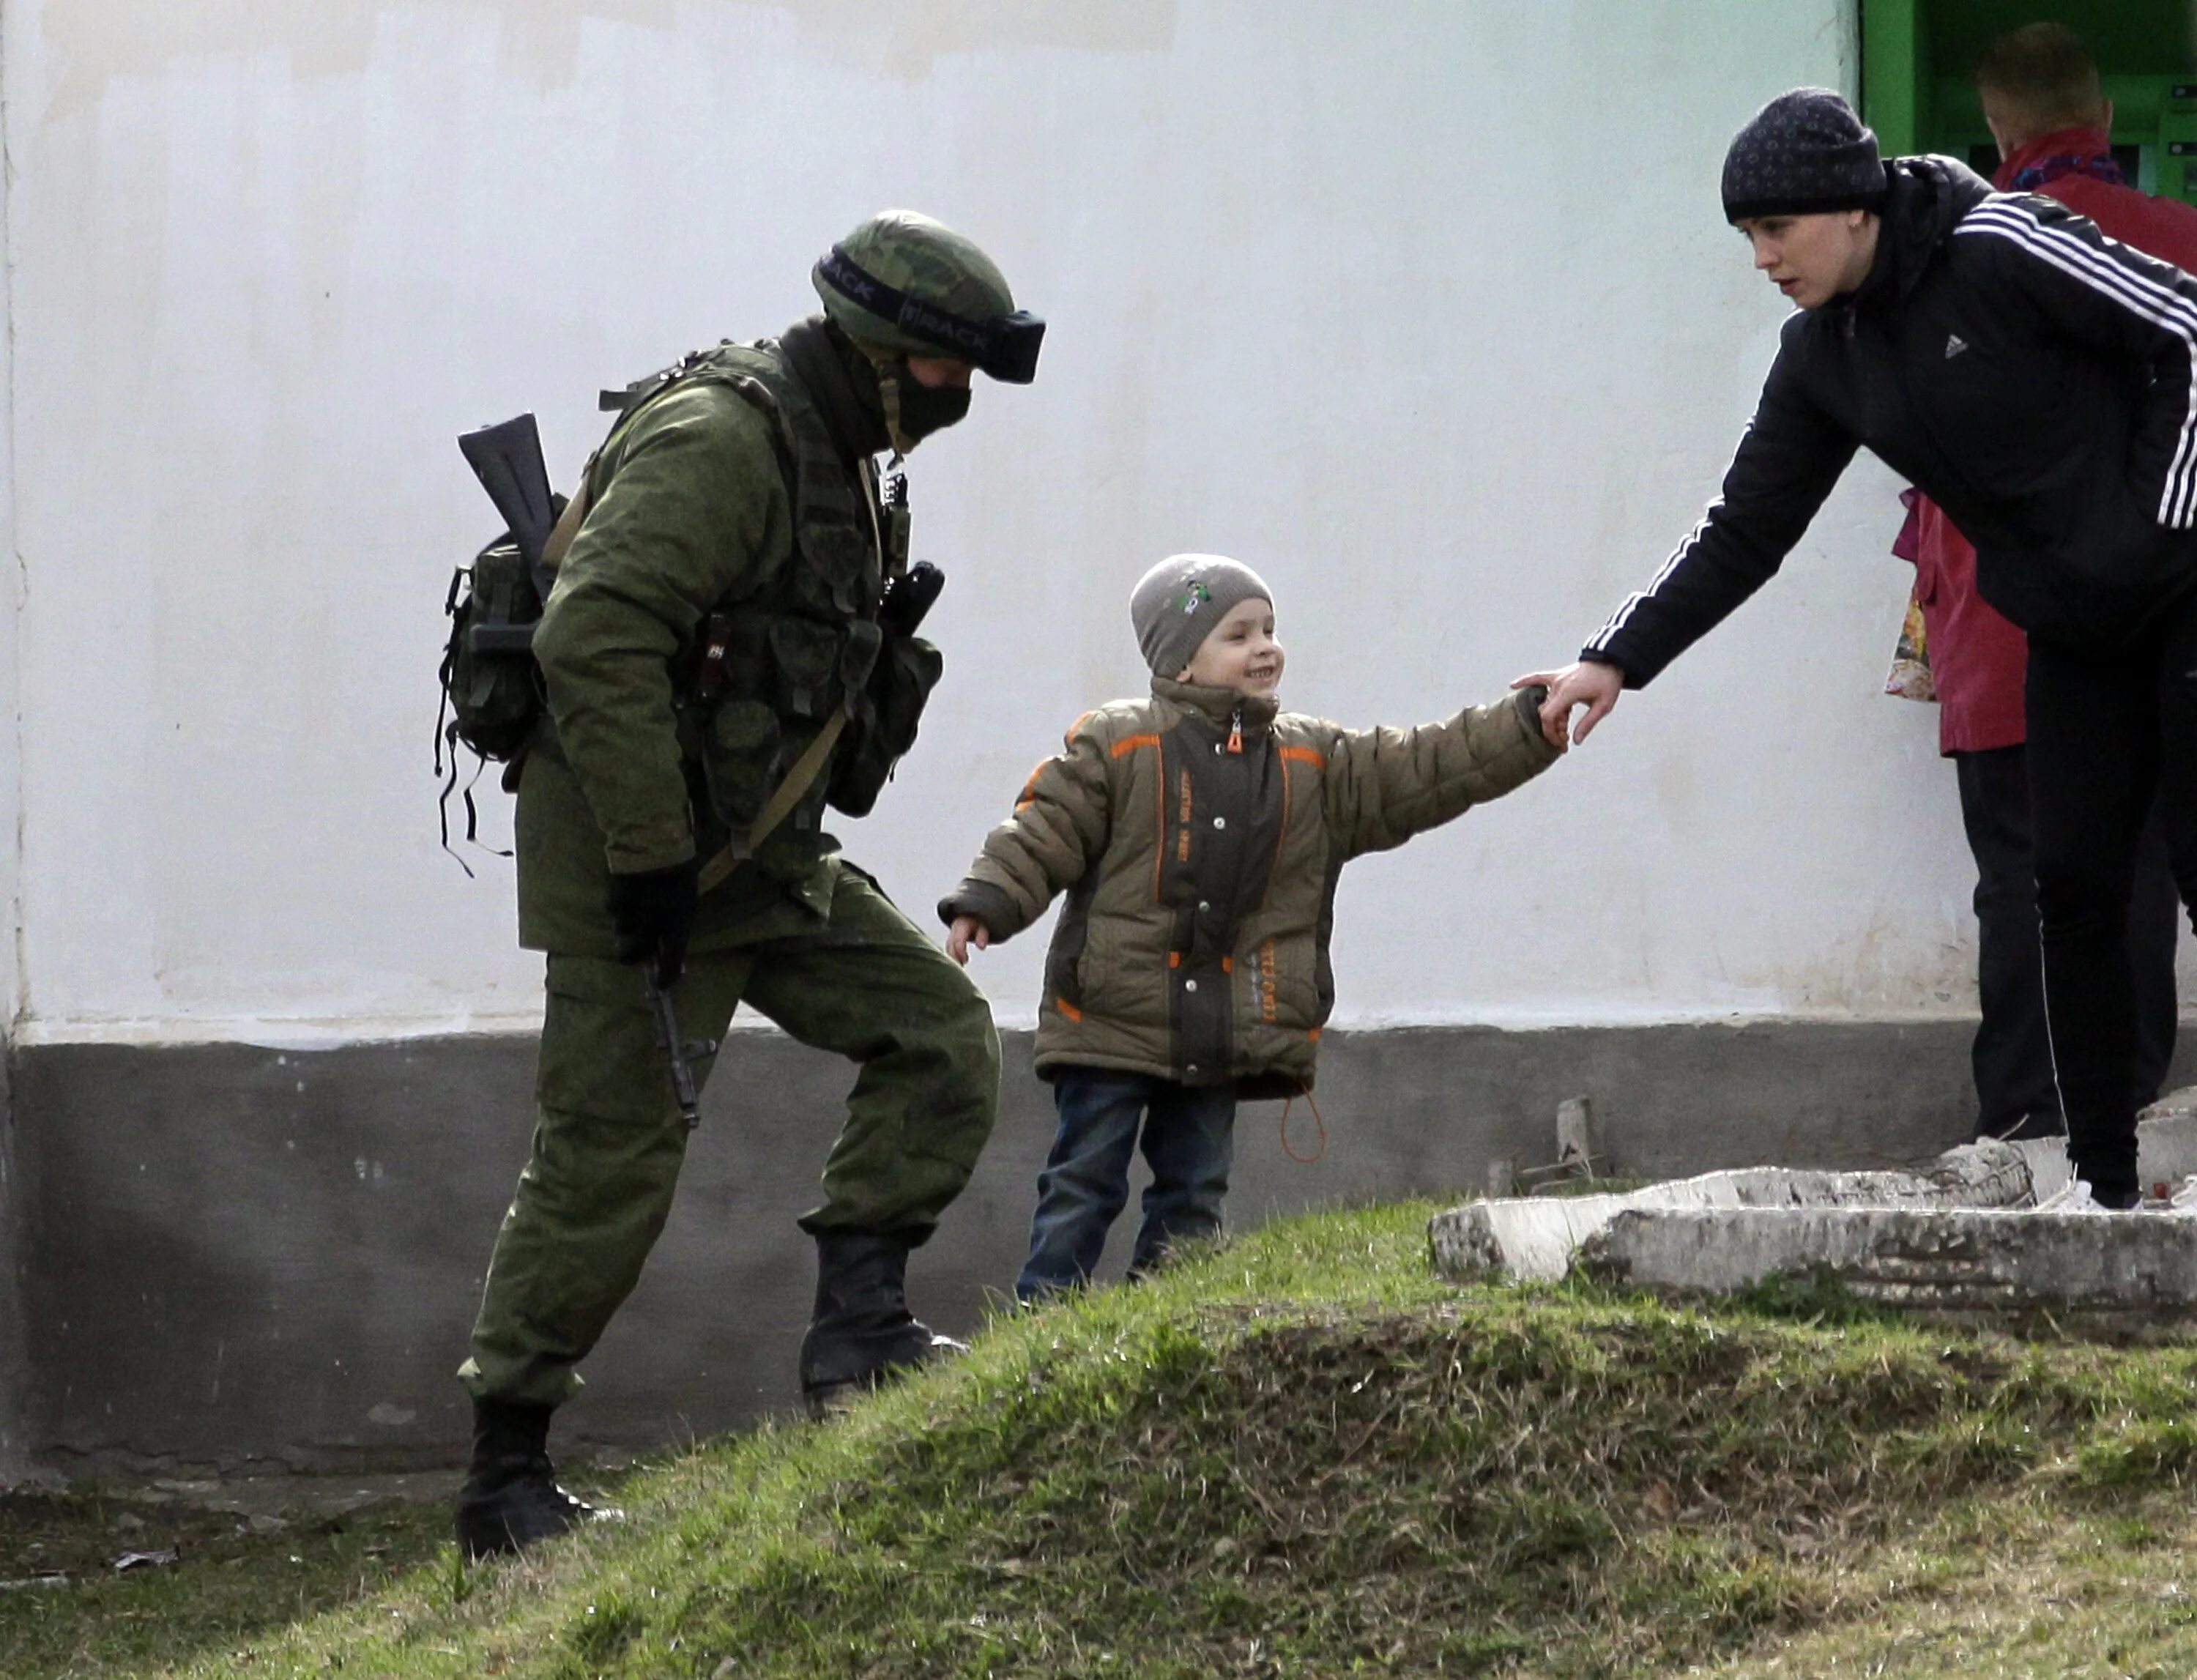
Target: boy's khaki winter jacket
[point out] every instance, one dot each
(1200, 879)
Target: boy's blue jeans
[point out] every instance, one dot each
(1189, 1134)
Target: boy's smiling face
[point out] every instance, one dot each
(1240, 651)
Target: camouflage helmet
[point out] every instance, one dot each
(907, 283)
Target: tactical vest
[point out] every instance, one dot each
(775, 663)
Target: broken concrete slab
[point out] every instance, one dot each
(2050, 1170)
(1536, 1237)
(2166, 1144)
(2182, 1101)
(2126, 1272)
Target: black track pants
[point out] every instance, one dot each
(2107, 733)
(2015, 1094)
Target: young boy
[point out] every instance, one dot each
(1199, 836)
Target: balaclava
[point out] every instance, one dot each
(913, 410)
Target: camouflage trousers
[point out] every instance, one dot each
(609, 1141)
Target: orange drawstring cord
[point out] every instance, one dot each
(1317, 1119)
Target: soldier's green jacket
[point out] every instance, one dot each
(691, 512)
(1201, 881)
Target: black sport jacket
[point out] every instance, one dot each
(2031, 376)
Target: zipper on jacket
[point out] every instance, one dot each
(1236, 730)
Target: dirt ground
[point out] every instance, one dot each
(122, 1580)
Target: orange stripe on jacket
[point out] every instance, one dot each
(1130, 744)
(1028, 797)
(1306, 755)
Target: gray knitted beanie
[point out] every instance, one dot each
(1175, 606)
(1805, 151)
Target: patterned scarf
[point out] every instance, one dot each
(2098, 165)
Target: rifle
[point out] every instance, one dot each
(682, 1052)
(506, 458)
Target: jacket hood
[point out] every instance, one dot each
(1926, 197)
(1218, 705)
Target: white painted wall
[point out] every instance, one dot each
(11, 605)
(1425, 309)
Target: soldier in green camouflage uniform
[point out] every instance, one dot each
(715, 615)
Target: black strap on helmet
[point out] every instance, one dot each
(1006, 346)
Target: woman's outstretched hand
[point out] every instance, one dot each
(1588, 683)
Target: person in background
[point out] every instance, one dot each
(2053, 123)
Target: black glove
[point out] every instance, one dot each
(654, 910)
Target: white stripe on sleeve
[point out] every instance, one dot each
(2006, 218)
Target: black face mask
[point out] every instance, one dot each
(922, 409)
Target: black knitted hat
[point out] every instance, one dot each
(1805, 151)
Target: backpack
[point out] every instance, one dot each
(492, 694)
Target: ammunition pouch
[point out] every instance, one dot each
(743, 755)
(784, 677)
(884, 722)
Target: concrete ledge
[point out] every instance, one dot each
(1534, 1238)
(2122, 1270)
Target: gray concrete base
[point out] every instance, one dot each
(16, 1459)
(2119, 1271)
(233, 1258)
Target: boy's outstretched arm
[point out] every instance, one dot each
(1059, 825)
(1384, 785)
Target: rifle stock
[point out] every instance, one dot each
(506, 458)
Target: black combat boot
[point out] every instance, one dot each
(861, 1332)
(511, 1498)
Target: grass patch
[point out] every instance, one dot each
(1301, 1455)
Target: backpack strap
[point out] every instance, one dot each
(631, 402)
(568, 522)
